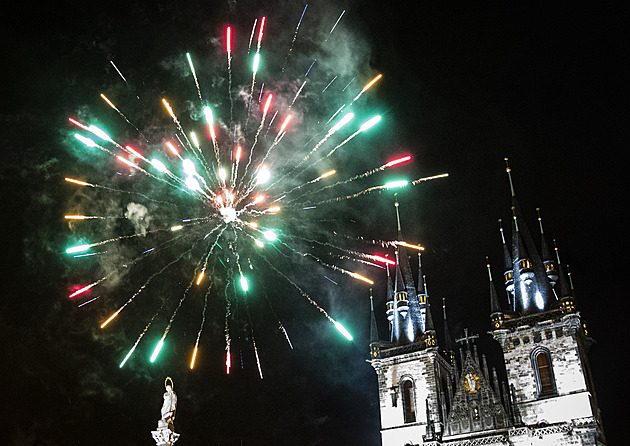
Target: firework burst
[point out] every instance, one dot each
(219, 199)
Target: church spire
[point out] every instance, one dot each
(508, 265)
(532, 289)
(567, 302)
(429, 328)
(496, 313)
(545, 253)
(373, 326)
(448, 340)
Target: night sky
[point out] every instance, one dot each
(464, 86)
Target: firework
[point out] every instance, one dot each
(203, 183)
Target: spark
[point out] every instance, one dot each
(79, 182)
(396, 184)
(343, 330)
(361, 278)
(335, 25)
(368, 86)
(111, 318)
(397, 161)
(408, 245)
(117, 70)
(157, 350)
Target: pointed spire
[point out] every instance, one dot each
(532, 286)
(390, 287)
(544, 248)
(429, 326)
(399, 285)
(506, 252)
(398, 217)
(495, 306)
(563, 285)
(448, 340)
(508, 170)
(550, 265)
(421, 283)
(570, 280)
(484, 367)
(373, 326)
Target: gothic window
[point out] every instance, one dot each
(408, 401)
(543, 371)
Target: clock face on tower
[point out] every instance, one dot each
(472, 383)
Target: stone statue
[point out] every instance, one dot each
(165, 434)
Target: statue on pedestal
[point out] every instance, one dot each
(165, 434)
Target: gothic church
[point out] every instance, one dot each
(428, 397)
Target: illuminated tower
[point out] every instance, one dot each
(544, 344)
(414, 378)
(406, 306)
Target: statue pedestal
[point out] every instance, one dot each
(164, 436)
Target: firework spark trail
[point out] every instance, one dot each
(140, 337)
(334, 129)
(251, 150)
(300, 186)
(111, 189)
(297, 94)
(294, 37)
(337, 22)
(118, 71)
(146, 283)
(192, 69)
(251, 37)
(286, 335)
(228, 50)
(367, 86)
(226, 329)
(329, 84)
(336, 324)
(203, 321)
(372, 189)
(251, 332)
(348, 252)
(356, 177)
(256, 57)
(297, 287)
(111, 104)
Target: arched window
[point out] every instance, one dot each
(408, 401)
(543, 371)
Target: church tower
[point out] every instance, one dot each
(414, 378)
(544, 341)
(428, 397)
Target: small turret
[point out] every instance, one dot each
(448, 340)
(429, 331)
(496, 313)
(390, 298)
(402, 302)
(521, 258)
(545, 254)
(508, 265)
(565, 295)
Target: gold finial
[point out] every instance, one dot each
(508, 170)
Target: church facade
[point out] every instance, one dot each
(428, 397)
